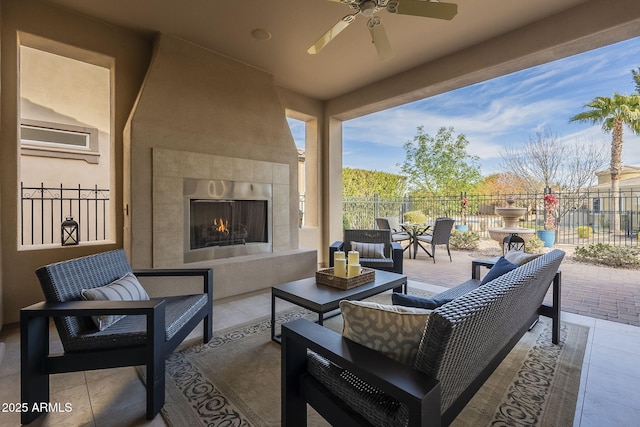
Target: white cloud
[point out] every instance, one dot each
(505, 111)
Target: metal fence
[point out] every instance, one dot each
(43, 209)
(582, 218)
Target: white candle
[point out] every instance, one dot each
(340, 267)
(338, 255)
(354, 270)
(354, 257)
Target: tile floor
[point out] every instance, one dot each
(609, 395)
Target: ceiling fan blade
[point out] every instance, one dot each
(379, 38)
(331, 34)
(429, 9)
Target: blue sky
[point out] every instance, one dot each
(505, 111)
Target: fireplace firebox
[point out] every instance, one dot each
(227, 222)
(226, 218)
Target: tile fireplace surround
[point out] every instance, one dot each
(234, 275)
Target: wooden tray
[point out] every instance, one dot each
(326, 277)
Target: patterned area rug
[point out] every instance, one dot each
(234, 380)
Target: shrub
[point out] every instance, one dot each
(606, 254)
(584, 231)
(346, 224)
(415, 217)
(468, 240)
(534, 245)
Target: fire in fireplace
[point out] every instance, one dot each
(227, 222)
(226, 218)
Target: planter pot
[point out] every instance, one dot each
(462, 228)
(547, 236)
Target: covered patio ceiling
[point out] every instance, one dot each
(348, 69)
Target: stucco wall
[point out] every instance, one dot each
(34, 23)
(196, 101)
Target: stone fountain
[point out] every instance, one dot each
(511, 215)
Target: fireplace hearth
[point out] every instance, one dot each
(226, 218)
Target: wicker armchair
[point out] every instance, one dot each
(145, 334)
(392, 260)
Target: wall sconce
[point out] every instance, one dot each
(70, 233)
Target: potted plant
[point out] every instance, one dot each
(548, 235)
(464, 203)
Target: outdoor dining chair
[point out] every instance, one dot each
(397, 234)
(440, 235)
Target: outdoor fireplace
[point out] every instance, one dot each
(226, 218)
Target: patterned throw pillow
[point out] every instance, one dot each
(394, 331)
(126, 288)
(368, 250)
(519, 257)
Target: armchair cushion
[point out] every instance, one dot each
(418, 302)
(394, 331)
(368, 250)
(126, 288)
(502, 266)
(132, 330)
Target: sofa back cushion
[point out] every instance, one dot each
(394, 331)
(463, 336)
(368, 236)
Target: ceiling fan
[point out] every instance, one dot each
(368, 8)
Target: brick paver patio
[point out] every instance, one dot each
(600, 292)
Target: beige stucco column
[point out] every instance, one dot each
(333, 183)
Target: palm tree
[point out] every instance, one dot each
(613, 114)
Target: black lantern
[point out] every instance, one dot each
(70, 233)
(512, 241)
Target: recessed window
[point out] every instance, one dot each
(65, 144)
(59, 140)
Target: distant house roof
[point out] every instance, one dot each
(624, 184)
(629, 178)
(625, 169)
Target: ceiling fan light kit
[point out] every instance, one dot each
(368, 8)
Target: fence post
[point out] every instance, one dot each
(376, 208)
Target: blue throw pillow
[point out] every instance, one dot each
(501, 267)
(413, 301)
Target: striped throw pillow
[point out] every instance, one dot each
(126, 288)
(368, 250)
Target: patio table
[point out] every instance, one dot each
(415, 230)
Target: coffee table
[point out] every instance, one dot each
(322, 299)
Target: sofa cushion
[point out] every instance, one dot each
(368, 250)
(126, 288)
(395, 331)
(418, 302)
(519, 257)
(501, 267)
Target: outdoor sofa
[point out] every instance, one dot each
(461, 344)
